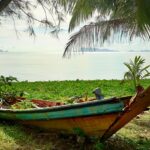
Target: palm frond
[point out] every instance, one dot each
(144, 69)
(128, 76)
(136, 70)
(84, 9)
(142, 13)
(146, 75)
(97, 33)
(137, 65)
(68, 5)
(130, 67)
(138, 61)
(129, 18)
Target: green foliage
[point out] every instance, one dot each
(136, 70)
(15, 137)
(7, 80)
(8, 93)
(25, 104)
(135, 133)
(63, 90)
(99, 146)
(79, 132)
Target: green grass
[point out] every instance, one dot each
(134, 136)
(137, 132)
(17, 137)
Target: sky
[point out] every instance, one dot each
(45, 42)
(9, 41)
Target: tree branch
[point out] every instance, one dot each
(4, 4)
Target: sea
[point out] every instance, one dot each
(45, 66)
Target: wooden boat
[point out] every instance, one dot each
(99, 117)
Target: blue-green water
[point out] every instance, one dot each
(51, 66)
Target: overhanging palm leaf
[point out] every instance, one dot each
(97, 33)
(84, 9)
(143, 14)
(134, 14)
(67, 4)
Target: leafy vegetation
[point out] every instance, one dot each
(27, 104)
(134, 136)
(136, 71)
(8, 93)
(63, 90)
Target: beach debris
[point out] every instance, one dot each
(98, 93)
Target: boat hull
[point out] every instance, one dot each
(66, 111)
(102, 118)
(89, 125)
(92, 118)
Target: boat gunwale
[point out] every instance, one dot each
(67, 107)
(73, 117)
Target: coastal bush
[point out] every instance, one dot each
(25, 104)
(136, 71)
(63, 90)
(8, 92)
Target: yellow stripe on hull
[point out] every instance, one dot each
(92, 125)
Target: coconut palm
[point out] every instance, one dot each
(115, 19)
(136, 71)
